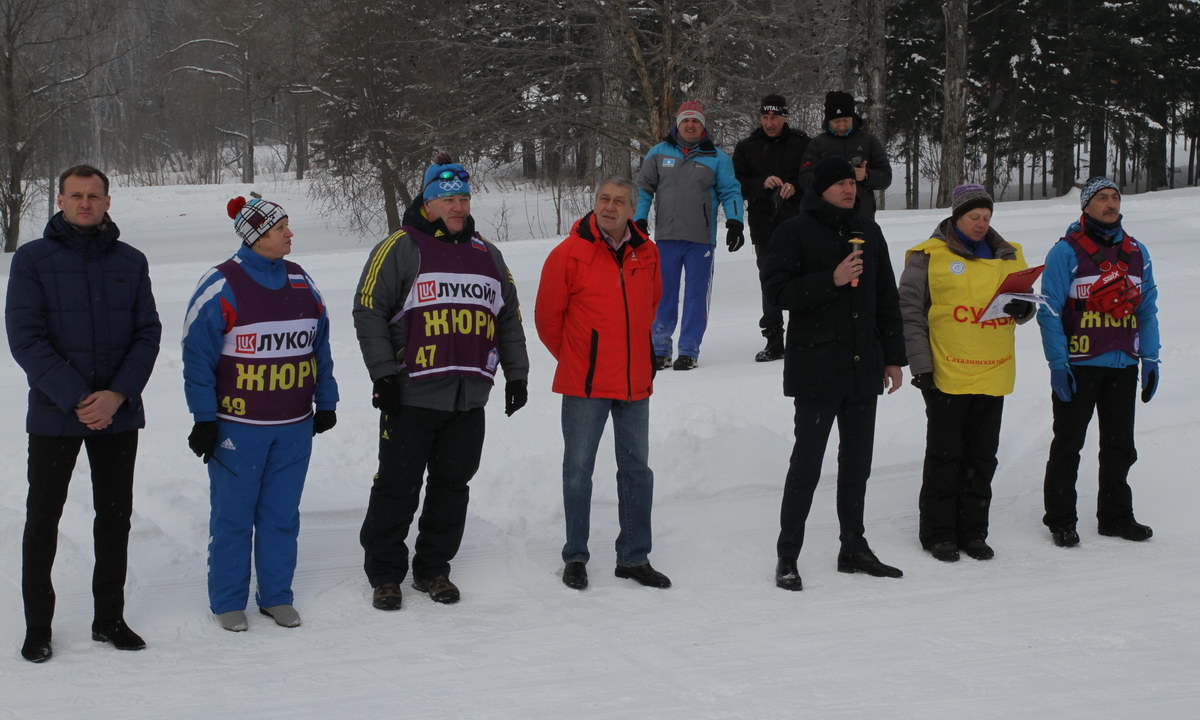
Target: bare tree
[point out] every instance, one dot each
(954, 90)
(877, 76)
(45, 57)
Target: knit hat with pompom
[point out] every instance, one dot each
(253, 218)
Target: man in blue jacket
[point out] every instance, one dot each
(1100, 286)
(686, 176)
(83, 326)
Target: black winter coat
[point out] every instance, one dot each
(856, 147)
(81, 318)
(838, 338)
(754, 160)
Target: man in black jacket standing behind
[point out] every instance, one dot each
(829, 268)
(843, 136)
(767, 164)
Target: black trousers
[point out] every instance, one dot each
(760, 237)
(856, 440)
(448, 445)
(961, 439)
(51, 462)
(1111, 393)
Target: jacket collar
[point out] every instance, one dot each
(61, 231)
(1000, 247)
(414, 217)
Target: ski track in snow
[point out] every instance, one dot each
(1105, 630)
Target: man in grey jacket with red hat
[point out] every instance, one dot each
(687, 177)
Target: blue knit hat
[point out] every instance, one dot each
(1093, 186)
(253, 218)
(436, 186)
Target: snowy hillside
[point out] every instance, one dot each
(1109, 629)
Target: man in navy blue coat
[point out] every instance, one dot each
(82, 324)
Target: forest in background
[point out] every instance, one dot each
(1020, 95)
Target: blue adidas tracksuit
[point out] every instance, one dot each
(686, 189)
(259, 467)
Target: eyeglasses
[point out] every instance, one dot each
(449, 175)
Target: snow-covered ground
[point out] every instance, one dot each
(1109, 629)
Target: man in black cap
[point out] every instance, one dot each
(845, 138)
(829, 268)
(767, 164)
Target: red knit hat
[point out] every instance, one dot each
(690, 109)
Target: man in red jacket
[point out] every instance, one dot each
(595, 305)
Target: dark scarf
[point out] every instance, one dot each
(1102, 232)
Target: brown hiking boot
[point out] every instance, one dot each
(440, 588)
(387, 596)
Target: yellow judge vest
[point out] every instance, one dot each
(969, 357)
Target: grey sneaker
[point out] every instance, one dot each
(233, 621)
(283, 615)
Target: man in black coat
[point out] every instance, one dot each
(843, 136)
(845, 345)
(767, 164)
(83, 325)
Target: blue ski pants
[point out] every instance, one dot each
(255, 492)
(677, 257)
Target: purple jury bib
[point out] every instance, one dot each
(1091, 333)
(450, 312)
(267, 373)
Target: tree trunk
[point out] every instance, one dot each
(1097, 147)
(954, 100)
(1063, 170)
(877, 77)
(1020, 176)
(300, 132)
(529, 164)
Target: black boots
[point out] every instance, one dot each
(979, 550)
(1134, 531)
(684, 362)
(865, 561)
(575, 576)
(1065, 537)
(37, 645)
(787, 577)
(945, 551)
(117, 633)
(774, 348)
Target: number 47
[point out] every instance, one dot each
(425, 355)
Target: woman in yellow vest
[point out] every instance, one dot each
(963, 367)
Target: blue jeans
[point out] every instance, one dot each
(695, 260)
(583, 421)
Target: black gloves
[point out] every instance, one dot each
(923, 381)
(385, 394)
(203, 440)
(734, 239)
(324, 420)
(1019, 309)
(516, 394)
(641, 223)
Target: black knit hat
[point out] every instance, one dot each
(830, 170)
(966, 198)
(773, 105)
(838, 104)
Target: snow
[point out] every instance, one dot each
(1105, 630)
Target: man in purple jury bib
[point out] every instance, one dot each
(436, 314)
